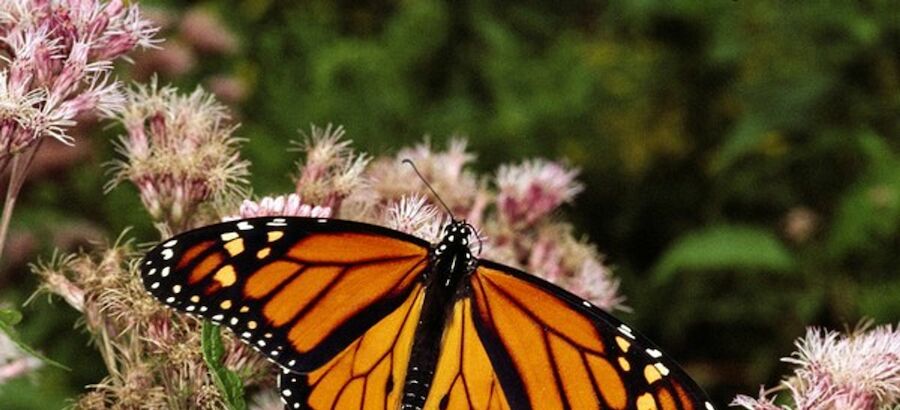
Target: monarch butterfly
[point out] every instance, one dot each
(364, 317)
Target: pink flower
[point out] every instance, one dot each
(61, 55)
(283, 205)
(856, 371)
(205, 31)
(533, 189)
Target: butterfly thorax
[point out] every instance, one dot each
(451, 261)
(451, 258)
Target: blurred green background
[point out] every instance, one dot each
(741, 158)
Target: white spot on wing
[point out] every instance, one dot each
(165, 272)
(662, 369)
(709, 406)
(170, 244)
(244, 226)
(167, 253)
(228, 236)
(625, 330)
(654, 353)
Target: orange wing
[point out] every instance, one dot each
(368, 374)
(552, 350)
(300, 290)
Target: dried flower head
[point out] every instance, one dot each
(179, 151)
(153, 357)
(332, 171)
(856, 371)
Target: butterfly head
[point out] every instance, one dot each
(457, 239)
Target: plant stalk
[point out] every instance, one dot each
(17, 172)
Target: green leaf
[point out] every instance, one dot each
(11, 317)
(868, 214)
(724, 247)
(227, 381)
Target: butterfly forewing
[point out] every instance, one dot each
(553, 350)
(290, 287)
(368, 374)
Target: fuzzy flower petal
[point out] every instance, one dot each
(415, 216)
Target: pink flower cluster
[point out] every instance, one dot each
(514, 210)
(859, 371)
(57, 63)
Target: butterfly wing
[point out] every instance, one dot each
(300, 290)
(550, 349)
(368, 374)
(464, 377)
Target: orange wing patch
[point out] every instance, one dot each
(351, 247)
(193, 252)
(556, 351)
(342, 298)
(464, 377)
(369, 373)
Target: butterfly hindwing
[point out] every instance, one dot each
(553, 350)
(288, 286)
(464, 377)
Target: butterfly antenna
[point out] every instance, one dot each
(425, 181)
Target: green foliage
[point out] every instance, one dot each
(724, 247)
(228, 382)
(12, 317)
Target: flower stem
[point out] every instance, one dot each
(17, 171)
